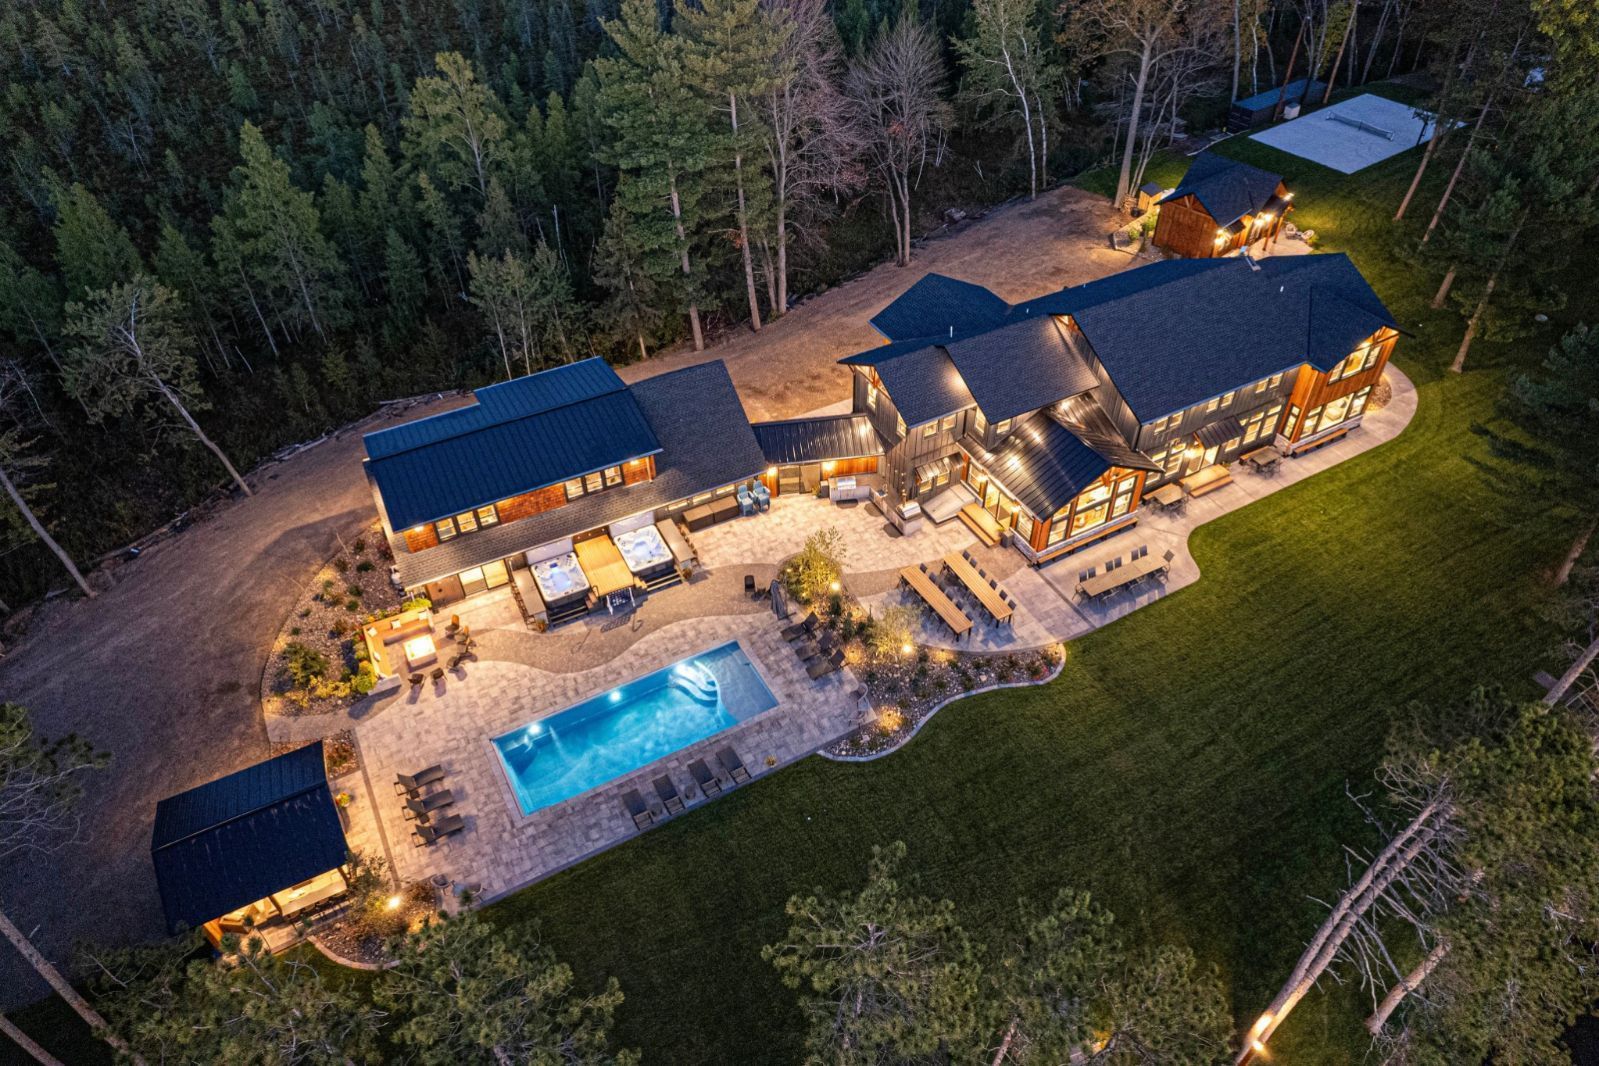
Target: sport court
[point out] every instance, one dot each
(1351, 135)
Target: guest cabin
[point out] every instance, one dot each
(1042, 424)
(1221, 208)
(562, 484)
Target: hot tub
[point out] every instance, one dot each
(560, 579)
(643, 549)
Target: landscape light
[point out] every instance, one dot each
(834, 586)
(905, 649)
(394, 903)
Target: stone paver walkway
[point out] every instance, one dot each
(868, 545)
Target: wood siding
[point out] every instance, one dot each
(1187, 229)
(421, 538)
(531, 503)
(1312, 389)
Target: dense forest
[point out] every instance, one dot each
(227, 225)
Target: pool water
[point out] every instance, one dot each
(614, 733)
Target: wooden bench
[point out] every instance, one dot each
(934, 597)
(987, 528)
(1337, 434)
(1207, 480)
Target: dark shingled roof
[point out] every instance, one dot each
(1202, 327)
(1020, 367)
(705, 443)
(1227, 190)
(230, 842)
(1297, 91)
(1041, 463)
(937, 305)
(519, 436)
(813, 440)
(924, 384)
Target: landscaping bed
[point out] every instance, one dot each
(319, 662)
(906, 689)
(339, 753)
(359, 936)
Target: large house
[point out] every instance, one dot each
(1221, 208)
(1043, 423)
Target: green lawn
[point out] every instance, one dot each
(1189, 766)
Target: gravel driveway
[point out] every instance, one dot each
(163, 669)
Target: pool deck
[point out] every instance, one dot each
(501, 849)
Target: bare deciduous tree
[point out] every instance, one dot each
(134, 350)
(16, 411)
(897, 93)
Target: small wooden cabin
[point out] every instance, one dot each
(1221, 207)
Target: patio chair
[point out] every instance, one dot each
(633, 804)
(412, 784)
(420, 808)
(801, 628)
(668, 793)
(416, 680)
(426, 835)
(763, 496)
(732, 764)
(746, 502)
(708, 782)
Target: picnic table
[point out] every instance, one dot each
(991, 599)
(1167, 496)
(934, 596)
(1263, 459)
(1121, 576)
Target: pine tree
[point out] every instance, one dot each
(661, 144)
(465, 991)
(278, 233)
(498, 228)
(455, 125)
(733, 55)
(93, 251)
(633, 306)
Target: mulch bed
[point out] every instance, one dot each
(353, 587)
(339, 753)
(906, 689)
(360, 941)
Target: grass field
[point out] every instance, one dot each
(1189, 766)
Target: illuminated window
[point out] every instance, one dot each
(1273, 381)
(899, 424)
(1358, 405)
(1002, 428)
(947, 424)
(871, 397)
(1293, 420)
(574, 488)
(613, 476)
(466, 523)
(1227, 399)
(445, 528)
(1212, 405)
(1176, 420)
(488, 516)
(931, 429)
(979, 423)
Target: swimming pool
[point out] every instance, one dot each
(614, 733)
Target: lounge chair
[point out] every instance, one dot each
(418, 808)
(822, 667)
(806, 651)
(414, 783)
(732, 764)
(746, 502)
(799, 629)
(704, 778)
(763, 496)
(668, 793)
(425, 835)
(633, 804)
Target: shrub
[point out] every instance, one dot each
(328, 584)
(353, 590)
(811, 573)
(303, 663)
(891, 630)
(359, 546)
(340, 627)
(341, 564)
(364, 680)
(305, 612)
(352, 605)
(365, 566)
(416, 603)
(294, 631)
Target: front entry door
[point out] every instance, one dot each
(810, 476)
(1201, 460)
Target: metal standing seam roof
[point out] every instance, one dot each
(1228, 190)
(229, 842)
(705, 443)
(811, 440)
(939, 306)
(1215, 434)
(1042, 464)
(521, 435)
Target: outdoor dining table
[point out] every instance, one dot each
(989, 597)
(1168, 495)
(1264, 458)
(945, 608)
(1124, 575)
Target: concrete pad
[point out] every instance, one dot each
(1353, 134)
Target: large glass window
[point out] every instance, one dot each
(947, 423)
(574, 488)
(488, 516)
(445, 527)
